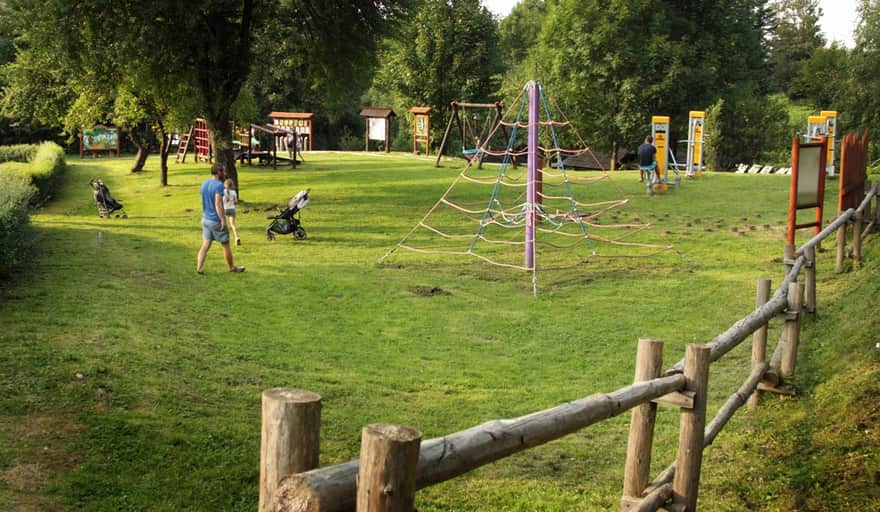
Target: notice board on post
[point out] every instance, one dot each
(99, 139)
(807, 184)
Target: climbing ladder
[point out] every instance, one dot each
(183, 146)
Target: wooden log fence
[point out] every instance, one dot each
(395, 462)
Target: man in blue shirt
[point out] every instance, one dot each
(214, 219)
(647, 158)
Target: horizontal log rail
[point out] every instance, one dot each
(333, 488)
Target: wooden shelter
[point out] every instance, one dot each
(421, 128)
(377, 126)
(298, 122)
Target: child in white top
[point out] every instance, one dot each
(230, 197)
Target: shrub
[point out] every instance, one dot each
(349, 141)
(18, 153)
(45, 169)
(15, 194)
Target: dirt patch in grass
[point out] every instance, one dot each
(428, 291)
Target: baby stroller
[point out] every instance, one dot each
(105, 202)
(288, 221)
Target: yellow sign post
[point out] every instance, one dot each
(830, 131)
(696, 120)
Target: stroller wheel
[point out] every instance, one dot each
(299, 233)
(270, 236)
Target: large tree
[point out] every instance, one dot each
(862, 99)
(614, 64)
(446, 51)
(794, 36)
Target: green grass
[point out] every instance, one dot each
(131, 383)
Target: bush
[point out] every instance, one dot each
(15, 195)
(349, 141)
(18, 153)
(46, 168)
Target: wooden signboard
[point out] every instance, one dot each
(807, 183)
(99, 139)
(377, 126)
(297, 122)
(853, 171)
(421, 128)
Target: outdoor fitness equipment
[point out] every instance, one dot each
(694, 164)
(824, 125)
(659, 179)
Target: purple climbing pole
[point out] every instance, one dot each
(531, 197)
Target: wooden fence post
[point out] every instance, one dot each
(810, 280)
(387, 473)
(788, 257)
(649, 359)
(290, 441)
(857, 240)
(686, 483)
(792, 330)
(841, 247)
(759, 339)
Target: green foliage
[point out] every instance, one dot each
(15, 195)
(822, 78)
(46, 168)
(613, 65)
(18, 152)
(447, 51)
(795, 35)
(861, 100)
(747, 130)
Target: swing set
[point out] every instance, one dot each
(474, 128)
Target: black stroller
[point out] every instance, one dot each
(105, 202)
(288, 221)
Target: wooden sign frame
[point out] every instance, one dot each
(808, 162)
(853, 171)
(85, 145)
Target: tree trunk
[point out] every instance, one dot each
(221, 133)
(613, 165)
(143, 150)
(164, 148)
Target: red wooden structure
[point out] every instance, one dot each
(298, 122)
(421, 128)
(202, 137)
(807, 183)
(853, 171)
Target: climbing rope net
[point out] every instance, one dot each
(535, 206)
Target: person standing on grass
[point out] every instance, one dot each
(214, 220)
(647, 159)
(230, 197)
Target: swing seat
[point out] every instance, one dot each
(469, 154)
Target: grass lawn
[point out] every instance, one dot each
(132, 383)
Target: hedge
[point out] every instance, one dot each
(15, 195)
(18, 152)
(46, 168)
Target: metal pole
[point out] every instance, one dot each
(532, 173)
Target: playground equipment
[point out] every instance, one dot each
(659, 179)
(198, 132)
(377, 126)
(694, 164)
(473, 127)
(525, 204)
(824, 125)
(275, 136)
(299, 123)
(421, 128)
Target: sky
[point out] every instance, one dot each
(838, 20)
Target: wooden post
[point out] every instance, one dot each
(759, 340)
(789, 256)
(792, 330)
(690, 439)
(857, 240)
(877, 207)
(841, 248)
(387, 473)
(810, 280)
(290, 441)
(649, 359)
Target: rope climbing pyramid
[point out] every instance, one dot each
(529, 206)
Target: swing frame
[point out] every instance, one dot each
(455, 116)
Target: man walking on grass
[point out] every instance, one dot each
(214, 219)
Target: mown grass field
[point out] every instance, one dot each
(132, 383)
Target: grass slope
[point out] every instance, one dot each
(132, 383)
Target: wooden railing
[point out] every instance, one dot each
(395, 462)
